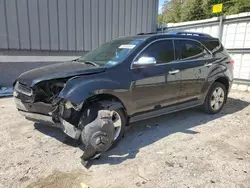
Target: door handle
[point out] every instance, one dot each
(174, 71)
(208, 64)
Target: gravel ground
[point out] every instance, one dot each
(183, 149)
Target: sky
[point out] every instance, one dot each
(160, 6)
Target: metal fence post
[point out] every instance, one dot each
(220, 28)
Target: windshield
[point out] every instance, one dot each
(111, 53)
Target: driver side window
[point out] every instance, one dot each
(162, 51)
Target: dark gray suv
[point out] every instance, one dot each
(136, 77)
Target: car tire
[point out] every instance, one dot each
(215, 99)
(90, 114)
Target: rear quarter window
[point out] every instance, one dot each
(213, 45)
(189, 49)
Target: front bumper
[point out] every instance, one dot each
(37, 107)
(38, 113)
(65, 126)
(39, 118)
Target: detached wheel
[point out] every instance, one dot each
(215, 98)
(118, 117)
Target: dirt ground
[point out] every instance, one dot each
(183, 149)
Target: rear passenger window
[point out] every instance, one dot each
(162, 51)
(189, 49)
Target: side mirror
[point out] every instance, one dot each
(145, 62)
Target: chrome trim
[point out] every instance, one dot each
(208, 64)
(145, 61)
(174, 71)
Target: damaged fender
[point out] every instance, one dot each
(78, 89)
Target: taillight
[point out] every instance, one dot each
(232, 63)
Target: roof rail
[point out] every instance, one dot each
(188, 33)
(178, 33)
(147, 33)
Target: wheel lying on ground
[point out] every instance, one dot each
(119, 121)
(215, 99)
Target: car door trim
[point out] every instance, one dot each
(164, 111)
(174, 71)
(175, 61)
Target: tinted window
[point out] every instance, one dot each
(162, 51)
(213, 45)
(189, 49)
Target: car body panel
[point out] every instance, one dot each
(153, 87)
(55, 71)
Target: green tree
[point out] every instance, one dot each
(207, 7)
(172, 11)
(188, 10)
(193, 10)
(236, 7)
(160, 19)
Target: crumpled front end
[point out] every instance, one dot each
(41, 104)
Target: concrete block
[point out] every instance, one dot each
(235, 86)
(242, 87)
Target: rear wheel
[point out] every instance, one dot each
(215, 98)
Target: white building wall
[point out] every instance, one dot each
(235, 37)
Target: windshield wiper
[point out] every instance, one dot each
(86, 62)
(91, 63)
(75, 60)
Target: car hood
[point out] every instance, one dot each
(55, 71)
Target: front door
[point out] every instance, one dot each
(156, 86)
(195, 64)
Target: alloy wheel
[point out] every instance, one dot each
(217, 98)
(117, 124)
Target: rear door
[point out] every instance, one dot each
(156, 86)
(195, 62)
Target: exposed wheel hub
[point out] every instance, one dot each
(100, 141)
(98, 135)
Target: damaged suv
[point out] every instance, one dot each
(135, 77)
